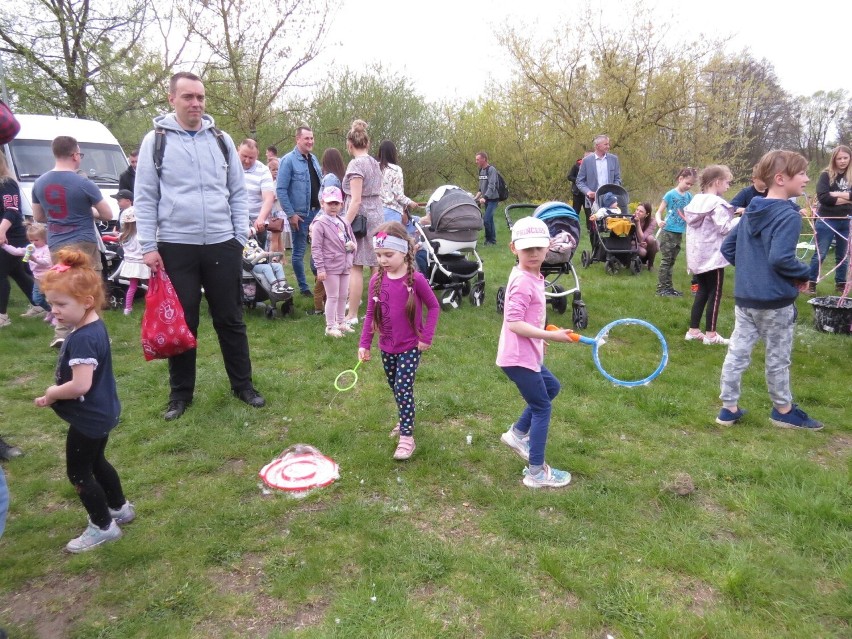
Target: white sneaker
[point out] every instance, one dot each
(93, 537)
(123, 515)
(689, 337)
(128, 311)
(330, 331)
(521, 447)
(4, 319)
(34, 311)
(351, 322)
(716, 339)
(547, 478)
(345, 328)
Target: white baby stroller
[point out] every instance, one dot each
(260, 287)
(450, 242)
(563, 223)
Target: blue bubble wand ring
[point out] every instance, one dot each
(600, 339)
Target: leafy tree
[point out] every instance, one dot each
(86, 58)
(256, 50)
(815, 117)
(393, 110)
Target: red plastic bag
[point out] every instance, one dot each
(164, 329)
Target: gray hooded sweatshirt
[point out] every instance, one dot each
(196, 200)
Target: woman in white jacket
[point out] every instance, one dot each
(709, 218)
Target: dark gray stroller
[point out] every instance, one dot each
(450, 242)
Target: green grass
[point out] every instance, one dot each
(450, 544)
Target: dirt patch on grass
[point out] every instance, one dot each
(452, 524)
(836, 449)
(23, 379)
(700, 596)
(257, 614)
(49, 606)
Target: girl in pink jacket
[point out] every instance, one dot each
(332, 249)
(709, 219)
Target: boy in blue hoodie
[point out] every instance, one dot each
(768, 279)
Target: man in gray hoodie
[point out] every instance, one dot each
(192, 221)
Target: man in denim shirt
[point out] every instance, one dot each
(299, 177)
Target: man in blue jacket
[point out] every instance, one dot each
(192, 221)
(299, 177)
(597, 169)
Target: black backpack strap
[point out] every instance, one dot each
(223, 145)
(159, 149)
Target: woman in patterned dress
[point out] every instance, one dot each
(362, 187)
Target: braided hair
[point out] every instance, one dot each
(395, 229)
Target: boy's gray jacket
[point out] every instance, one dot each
(195, 200)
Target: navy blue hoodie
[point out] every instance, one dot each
(763, 248)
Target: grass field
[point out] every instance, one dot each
(449, 544)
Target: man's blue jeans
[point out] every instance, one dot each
(300, 244)
(824, 237)
(490, 231)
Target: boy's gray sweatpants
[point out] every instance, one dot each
(776, 327)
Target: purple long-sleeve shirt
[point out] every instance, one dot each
(395, 333)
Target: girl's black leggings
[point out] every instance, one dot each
(708, 298)
(94, 478)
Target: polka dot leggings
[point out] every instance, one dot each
(400, 369)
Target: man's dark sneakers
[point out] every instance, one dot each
(7, 452)
(307, 293)
(176, 408)
(251, 397)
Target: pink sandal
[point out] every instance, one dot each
(395, 431)
(405, 448)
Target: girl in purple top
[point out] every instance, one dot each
(520, 353)
(395, 303)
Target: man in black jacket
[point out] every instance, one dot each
(127, 180)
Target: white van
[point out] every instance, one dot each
(30, 155)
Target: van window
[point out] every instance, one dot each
(102, 163)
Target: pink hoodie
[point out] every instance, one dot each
(709, 219)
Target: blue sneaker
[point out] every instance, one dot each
(796, 418)
(547, 478)
(729, 418)
(520, 446)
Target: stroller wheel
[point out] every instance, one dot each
(585, 259)
(501, 299)
(452, 299)
(579, 315)
(611, 267)
(116, 298)
(269, 312)
(636, 265)
(477, 294)
(465, 289)
(560, 304)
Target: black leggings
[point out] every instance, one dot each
(94, 478)
(12, 266)
(709, 296)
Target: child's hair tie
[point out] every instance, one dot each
(59, 268)
(376, 300)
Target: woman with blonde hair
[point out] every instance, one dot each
(834, 192)
(362, 187)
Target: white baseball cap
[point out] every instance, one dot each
(529, 232)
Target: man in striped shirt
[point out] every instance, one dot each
(260, 189)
